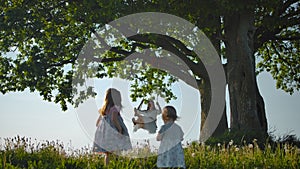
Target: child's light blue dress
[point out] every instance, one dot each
(107, 137)
(170, 152)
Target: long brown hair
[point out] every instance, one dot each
(112, 98)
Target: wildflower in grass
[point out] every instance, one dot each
(219, 144)
(208, 148)
(237, 149)
(250, 146)
(231, 142)
(203, 144)
(286, 148)
(193, 154)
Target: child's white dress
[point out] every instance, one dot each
(149, 118)
(107, 137)
(170, 152)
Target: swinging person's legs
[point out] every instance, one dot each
(139, 122)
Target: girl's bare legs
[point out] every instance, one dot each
(106, 159)
(138, 121)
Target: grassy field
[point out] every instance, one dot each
(19, 153)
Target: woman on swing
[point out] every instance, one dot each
(146, 119)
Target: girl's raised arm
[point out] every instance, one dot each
(159, 108)
(139, 107)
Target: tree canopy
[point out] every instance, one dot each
(48, 35)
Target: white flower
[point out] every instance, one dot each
(286, 148)
(231, 142)
(250, 146)
(237, 149)
(269, 146)
(219, 144)
(193, 154)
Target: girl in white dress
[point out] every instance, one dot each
(170, 151)
(111, 134)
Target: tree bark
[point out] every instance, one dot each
(246, 104)
(205, 94)
(205, 88)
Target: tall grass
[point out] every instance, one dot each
(21, 152)
(245, 156)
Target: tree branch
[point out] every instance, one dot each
(165, 43)
(285, 6)
(285, 21)
(287, 38)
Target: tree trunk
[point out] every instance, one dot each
(261, 112)
(246, 104)
(205, 94)
(212, 21)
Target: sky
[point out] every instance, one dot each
(26, 114)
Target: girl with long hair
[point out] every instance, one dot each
(111, 134)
